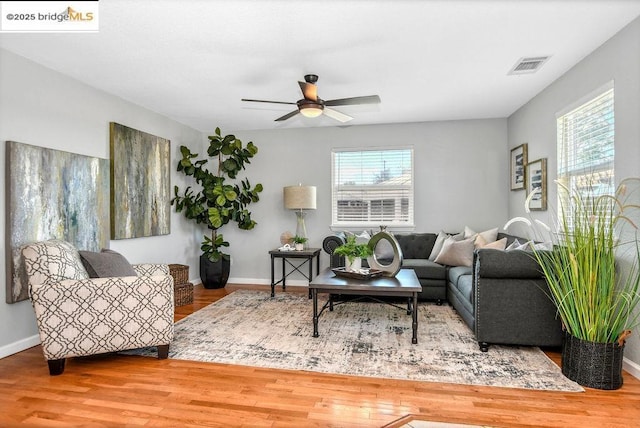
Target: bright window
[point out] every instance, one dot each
(372, 187)
(586, 148)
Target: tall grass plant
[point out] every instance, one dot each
(592, 271)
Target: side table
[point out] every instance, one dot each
(306, 256)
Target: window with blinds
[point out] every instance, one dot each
(372, 187)
(586, 150)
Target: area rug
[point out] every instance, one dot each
(364, 339)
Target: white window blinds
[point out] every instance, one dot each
(586, 149)
(372, 187)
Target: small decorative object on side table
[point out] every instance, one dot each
(299, 242)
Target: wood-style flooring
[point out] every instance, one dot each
(116, 390)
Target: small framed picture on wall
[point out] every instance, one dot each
(518, 162)
(536, 172)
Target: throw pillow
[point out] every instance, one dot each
(468, 232)
(543, 246)
(384, 250)
(363, 238)
(526, 246)
(106, 264)
(437, 247)
(456, 253)
(489, 235)
(498, 245)
(514, 245)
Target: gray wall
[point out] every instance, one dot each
(44, 108)
(535, 123)
(461, 176)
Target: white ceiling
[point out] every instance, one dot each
(193, 60)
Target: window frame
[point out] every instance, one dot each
(569, 172)
(400, 206)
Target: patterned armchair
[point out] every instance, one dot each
(79, 316)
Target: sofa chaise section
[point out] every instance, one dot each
(511, 301)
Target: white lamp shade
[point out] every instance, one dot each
(300, 197)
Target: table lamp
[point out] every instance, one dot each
(300, 198)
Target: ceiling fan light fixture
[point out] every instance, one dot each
(311, 109)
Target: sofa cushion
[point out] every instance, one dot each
(465, 286)
(416, 245)
(456, 272)
(425, 268)
(456, 253)
(106, 264)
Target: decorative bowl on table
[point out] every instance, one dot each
(357, 274)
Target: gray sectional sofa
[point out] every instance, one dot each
(502, 297)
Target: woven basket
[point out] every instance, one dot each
(183, 294)
(180, 273)
(592, 364)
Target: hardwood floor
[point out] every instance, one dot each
(115, 390)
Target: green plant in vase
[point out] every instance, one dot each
(353, 252)
(299, 242)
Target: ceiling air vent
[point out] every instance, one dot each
(528, 65)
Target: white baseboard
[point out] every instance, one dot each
(296, 282)
(20, 345)
(632, 368)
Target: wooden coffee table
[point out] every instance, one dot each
(405, 284)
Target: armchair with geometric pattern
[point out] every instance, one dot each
(79, 316)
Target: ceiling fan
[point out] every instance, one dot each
(313, 106)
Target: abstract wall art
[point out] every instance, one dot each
(140, 183)
(52, 194)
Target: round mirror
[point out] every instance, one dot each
(387, 255)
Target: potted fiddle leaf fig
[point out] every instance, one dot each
(220, 200)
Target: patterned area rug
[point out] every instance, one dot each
(364, 339)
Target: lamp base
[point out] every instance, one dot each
(301, 229)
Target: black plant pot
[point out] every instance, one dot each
(214, 274)
(592, 364)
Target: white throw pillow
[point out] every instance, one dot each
(468, 232)
(437, 247)
(514, 245)
(526, 246)
(456, 253)
(363, 238)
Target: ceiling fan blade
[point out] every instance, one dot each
(264, 101)
(369, 99)
(287, 116)
(334, 114)
(309, 90)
